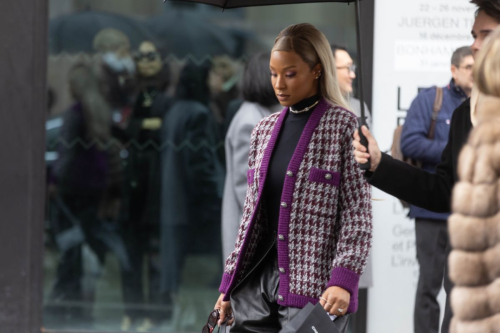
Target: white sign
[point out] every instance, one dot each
(414, 41)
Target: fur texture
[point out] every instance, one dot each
(471, 233)
(474, 228)
(487, 325)
(476, 303)
(479, 200)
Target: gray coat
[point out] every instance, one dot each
(237, 149)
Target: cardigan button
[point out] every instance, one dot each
(281, 237)
(328, 176)
(282, 270)
(284, 205)
(289, 173)
(280, 298)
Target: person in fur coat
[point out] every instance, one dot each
(474, 227)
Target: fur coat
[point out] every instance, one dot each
(474, 228)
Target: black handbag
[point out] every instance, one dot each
(311, 319)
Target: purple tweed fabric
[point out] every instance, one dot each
(325, 224)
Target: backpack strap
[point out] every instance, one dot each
(438, 103)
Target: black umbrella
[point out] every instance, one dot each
(189, 34)
(75, 33)
(247, 3)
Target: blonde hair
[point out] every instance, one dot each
(110, 40)
(487, 67)
(313, 48)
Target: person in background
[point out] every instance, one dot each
(141, 192)
(431, 191)
(222, 82)
(79, 183)
(191, 180)
(259, 102)
(431, 228)
(306, 198)
(346, 73)
(117, 71)
(474, 225)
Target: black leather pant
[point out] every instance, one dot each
(254, 300)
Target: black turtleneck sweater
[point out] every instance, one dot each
(289, 137)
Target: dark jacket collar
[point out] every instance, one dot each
(456, 90)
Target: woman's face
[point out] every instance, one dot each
(292, 78)
(149, 61)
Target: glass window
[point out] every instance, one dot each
(141, 97)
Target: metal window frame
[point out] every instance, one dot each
(23, 108)
(23, 54)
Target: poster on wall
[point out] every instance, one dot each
(414, 42)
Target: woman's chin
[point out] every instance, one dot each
(285, 103)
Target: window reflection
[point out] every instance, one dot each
(142, 94)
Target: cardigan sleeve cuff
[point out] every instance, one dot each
(344, 278)
(224, 285)
(348, 280)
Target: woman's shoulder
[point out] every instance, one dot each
(269, 120)
(343, 115)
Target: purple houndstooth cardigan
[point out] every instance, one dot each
(325, 223)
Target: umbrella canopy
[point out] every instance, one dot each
(189, 34)
(248, 3)
(75, 33)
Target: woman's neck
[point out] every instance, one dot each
(306, 102)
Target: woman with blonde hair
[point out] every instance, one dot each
(306, 228)
(474, 227)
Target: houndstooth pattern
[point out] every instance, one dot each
(330, 226)
(258, 143)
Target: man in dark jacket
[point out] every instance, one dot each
(431, 228)
(427, 190)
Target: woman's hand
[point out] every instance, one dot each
(360, 153)
(335, 301)
(225, 311)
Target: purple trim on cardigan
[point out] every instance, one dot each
(324, 176)
(348, 280)
(250, 176)
(262, 180)
(224, 285)
(299, 301)
(287, 195)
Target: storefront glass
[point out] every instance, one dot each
(141, 94)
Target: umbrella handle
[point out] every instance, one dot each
(364, 141)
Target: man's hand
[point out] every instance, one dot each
(360, 153)
(335, 301)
